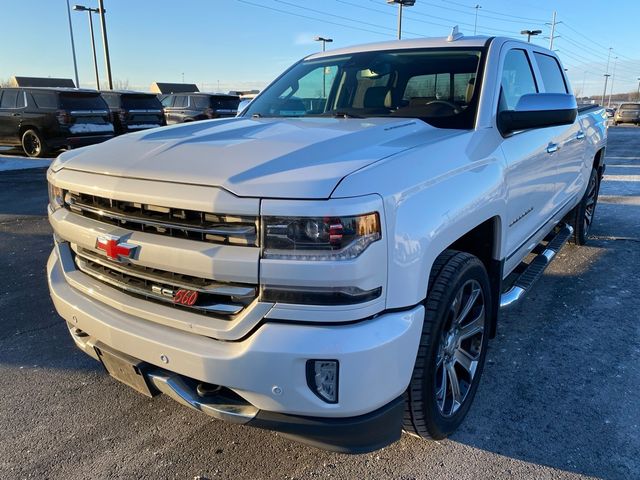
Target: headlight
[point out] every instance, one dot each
(319, 238)
(56, 197)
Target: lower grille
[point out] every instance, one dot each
(214, 298)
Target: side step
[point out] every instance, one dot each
(535, 269)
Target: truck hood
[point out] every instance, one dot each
(268, 157)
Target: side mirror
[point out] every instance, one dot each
(539, 110)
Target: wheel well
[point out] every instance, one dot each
(483, 242)
(598, 161)
(24, 128)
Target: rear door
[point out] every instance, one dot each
(531, 161)
(570, 139)
(88, 113)
(142, 111)
(12, 103)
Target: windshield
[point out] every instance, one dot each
(436, 85)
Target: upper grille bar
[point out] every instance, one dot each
(191, 224)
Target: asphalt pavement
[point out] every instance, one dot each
(558, 398)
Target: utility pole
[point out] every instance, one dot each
(73, 46)
(103, 25)
(584, 79)
(613, 79)
(639, 89)
(475, 24)
(553, 30)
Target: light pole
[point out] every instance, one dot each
(324, 41)
(103, 25)
(475, 24)
(82, 8)
(530, 33)
(401, 3)
(604, 93)
(613, 79)
(73, 46)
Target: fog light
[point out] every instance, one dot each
(322, 378)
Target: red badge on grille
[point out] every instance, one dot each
(111, 246)
(185, 297)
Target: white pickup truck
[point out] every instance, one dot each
(330, 264)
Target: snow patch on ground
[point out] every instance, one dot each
(22, 163)
(91, 128)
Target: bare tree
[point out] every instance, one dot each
(5, 83)
(119, 84)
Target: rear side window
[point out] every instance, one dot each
(141, 102)
(112, 100)
(630, 106)
(517, 79)
(200, 102)
(181, 101)
(45, 99)
(167, 101)
(82, 102)
(224, 103)
(552, 77)
(8, 99)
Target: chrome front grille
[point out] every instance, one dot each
(175, 222)
(215, 298)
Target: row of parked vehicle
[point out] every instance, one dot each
(41, 120)
(625, 113)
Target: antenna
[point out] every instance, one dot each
(454, 35)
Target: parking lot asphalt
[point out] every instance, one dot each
(558, 398)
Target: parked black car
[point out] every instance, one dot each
(188, 107)
(132, 111)
(45, 119)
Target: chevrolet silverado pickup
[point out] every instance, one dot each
(331, 263)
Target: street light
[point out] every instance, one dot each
(73, 46)
(475, 24)
(103, 25)
(604, 93)
(613, 79)
(530, 33)
(82, 8)
(639, 89)
(401, 3)
(324, 41)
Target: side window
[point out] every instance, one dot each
(21, 101)
(517, 79)
(9, 98)
(180, 102)
(44, 99)
(552, 77)
(200, 102)
(167, 101)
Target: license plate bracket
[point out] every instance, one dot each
(124, 368)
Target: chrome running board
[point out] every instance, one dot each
(534, 270)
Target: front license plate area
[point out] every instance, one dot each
(124, 368)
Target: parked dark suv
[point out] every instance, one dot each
(44, 119)
(188, 107)
(132, 111)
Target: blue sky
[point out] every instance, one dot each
(239, 44)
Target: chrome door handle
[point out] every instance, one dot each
(552, 147)
(580, 135)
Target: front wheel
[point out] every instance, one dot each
(33, 144)
(452, 348)
(585, 211)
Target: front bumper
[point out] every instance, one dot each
(376, 360)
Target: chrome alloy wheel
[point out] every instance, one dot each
(590, 203)
(460, 348)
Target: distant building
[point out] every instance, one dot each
(162, 87)
(41, 82)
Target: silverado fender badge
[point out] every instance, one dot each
(110, 244)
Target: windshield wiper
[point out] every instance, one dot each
(339, 114)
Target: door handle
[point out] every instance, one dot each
(552, 147)
(580, 135)
(15, 114)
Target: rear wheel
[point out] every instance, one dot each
(33, 144)
(452, 347)
(585, 211)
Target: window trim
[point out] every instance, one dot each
(560, 69)
(24, 98)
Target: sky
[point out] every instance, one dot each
(226, 45)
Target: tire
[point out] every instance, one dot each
(584, 212)
(430, 410)
(34, 144)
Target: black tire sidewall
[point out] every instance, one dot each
(580, 235)
(438, 425)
